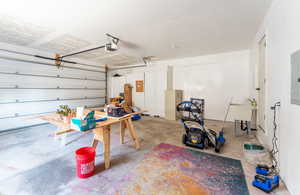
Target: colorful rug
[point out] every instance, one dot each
(172, 170)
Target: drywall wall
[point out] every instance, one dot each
(217, 78)
(155, 83)
(28, 88)
(117, 86)
(282, 30)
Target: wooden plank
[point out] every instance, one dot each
(106, 146)
(59, 132)
(98, 133)
(56, 120)
(95, 142)
(122, 131)
(97, 112)
(96, 108)
(128, 94)
(52, 118)
(139, 112)
(107, 122)
(102, 134)
(133, 133)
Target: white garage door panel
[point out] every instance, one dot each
(37, 69)
(11, 95)
(46, 82)
(8, 110)
(30, 86)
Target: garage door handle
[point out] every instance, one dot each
(257, 89)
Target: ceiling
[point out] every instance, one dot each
(165, 29)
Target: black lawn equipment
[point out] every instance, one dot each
(192, 117)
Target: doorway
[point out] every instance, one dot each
(261, 90)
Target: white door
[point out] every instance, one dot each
(262, 85)
(155, 86)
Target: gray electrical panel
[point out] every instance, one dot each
(295, 71)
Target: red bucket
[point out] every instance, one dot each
(85, 158)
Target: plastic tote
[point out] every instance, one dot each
(85, 159)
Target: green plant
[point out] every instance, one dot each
(64, 110)
(253, 102)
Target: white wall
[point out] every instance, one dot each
(154, 86)
(131, 77)
(282, 30)
(216, 78)
(28, 88)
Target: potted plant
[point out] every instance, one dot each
(66, 113)
(253, 102)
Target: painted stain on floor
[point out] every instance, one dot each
(173, 170)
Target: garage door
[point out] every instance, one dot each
(29, 87)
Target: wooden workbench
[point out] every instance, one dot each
(101, 132)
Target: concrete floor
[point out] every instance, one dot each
(33, 162)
